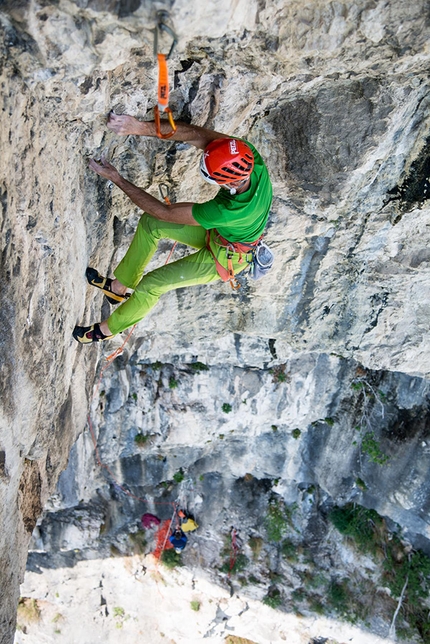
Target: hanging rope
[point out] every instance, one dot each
(234, 550)
(163, 534)
(109, 360)
(111, 357)
(163, 106)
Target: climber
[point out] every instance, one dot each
(237, 215)
(178, 540)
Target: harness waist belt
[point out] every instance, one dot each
(227, 274)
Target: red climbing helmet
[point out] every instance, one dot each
(226, 161)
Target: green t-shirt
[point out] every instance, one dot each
(239, 218)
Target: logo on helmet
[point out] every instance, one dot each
(233, 146)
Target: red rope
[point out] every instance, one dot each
(234, 550)
(118, 351)
(162, 537)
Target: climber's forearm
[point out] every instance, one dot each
(140, 197)
(178, 213)
(200, 137)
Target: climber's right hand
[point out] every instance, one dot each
(123, 124)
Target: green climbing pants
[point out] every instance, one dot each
(194, 269)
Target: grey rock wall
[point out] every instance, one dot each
(296, 426)
(335, 96)
(310, 433)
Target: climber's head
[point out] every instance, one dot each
(227, 162)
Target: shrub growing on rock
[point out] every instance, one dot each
(170, 558)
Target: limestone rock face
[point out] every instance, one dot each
(335, 96)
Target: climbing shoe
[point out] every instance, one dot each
(89, 334)
(105, 284)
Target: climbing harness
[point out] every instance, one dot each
(243, 249)
(163, 76)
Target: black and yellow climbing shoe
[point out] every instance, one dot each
(105, 284)
(89, 334)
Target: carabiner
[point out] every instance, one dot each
(165, 196)
(157, 119)
(229, 251)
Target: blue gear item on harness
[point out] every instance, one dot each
(262, 261)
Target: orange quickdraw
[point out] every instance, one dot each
(163, 77)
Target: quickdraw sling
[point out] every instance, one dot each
(163, 76)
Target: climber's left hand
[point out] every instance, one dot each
(104, 169)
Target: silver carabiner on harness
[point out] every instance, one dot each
(229, 251)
